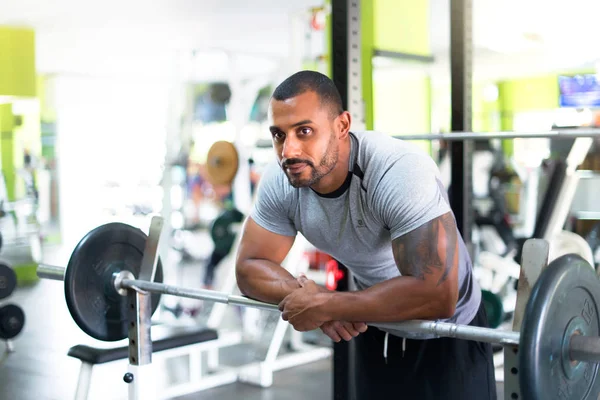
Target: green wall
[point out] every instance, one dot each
(17, 81)
(401, 25)
(17, 62)
(526, 94)
(402, 102)
(485, 111)
(407, 95)
(7, 149)
(16, 138)
(6, 118)
(368, 26)
(398, 99)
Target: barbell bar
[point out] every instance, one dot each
(579, 346)
(457, 136)
(440, 329)
(558, 345)
(582, 348)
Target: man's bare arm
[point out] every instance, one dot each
(258, 269)
(428, 252)
(427, 257)
(260, 274)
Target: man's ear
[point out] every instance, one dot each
(344, 123)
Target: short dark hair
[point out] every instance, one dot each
(304, 81)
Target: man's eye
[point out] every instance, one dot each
(277, 135)
(305, 131)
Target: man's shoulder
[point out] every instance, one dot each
(378, 153)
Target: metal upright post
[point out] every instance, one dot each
(461, 153)
(346, 74)
(140, 376)
(533, 261)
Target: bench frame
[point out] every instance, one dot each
(200, 378)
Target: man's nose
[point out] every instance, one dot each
(291, 148)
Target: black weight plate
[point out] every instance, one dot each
(8, 281)
(564, 299)
(493, 308)
(93, 302)
(221, 230)
(12, 320)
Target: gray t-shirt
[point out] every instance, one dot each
(392, 188)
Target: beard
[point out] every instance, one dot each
(315, 173)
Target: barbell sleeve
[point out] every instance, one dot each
(46, 271)
(585, 348)
(447, 329)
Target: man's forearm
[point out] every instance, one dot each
(265, 281)
(398, 299)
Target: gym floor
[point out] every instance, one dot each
(40, 369)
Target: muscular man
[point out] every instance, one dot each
(376, 204)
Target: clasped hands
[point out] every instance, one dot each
(303, 309)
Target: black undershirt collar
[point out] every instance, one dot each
(337, 192)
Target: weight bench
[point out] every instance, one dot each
(167, 342)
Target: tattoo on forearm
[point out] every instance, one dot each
(417, 252)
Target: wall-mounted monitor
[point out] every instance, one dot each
(581, 91)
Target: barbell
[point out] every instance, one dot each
(460, 136)
(558, 345)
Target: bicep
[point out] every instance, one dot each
(259, 243)
(408, 194)
(429, 252)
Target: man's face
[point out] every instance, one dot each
(304, 138)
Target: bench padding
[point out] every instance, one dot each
(163, 338)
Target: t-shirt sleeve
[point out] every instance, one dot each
(271, 205)
(409, 194)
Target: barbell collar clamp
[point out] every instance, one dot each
(118, 278)
(584, 348)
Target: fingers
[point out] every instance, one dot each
(330, 331)
(341, 330)
(281, 305)
(302, 280)
(349, 327)
(360, 326)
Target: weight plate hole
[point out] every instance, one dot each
(514, 396)
(514, 371)
(132, 325)
(515, 350)
(133, 360)
(133, 342)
